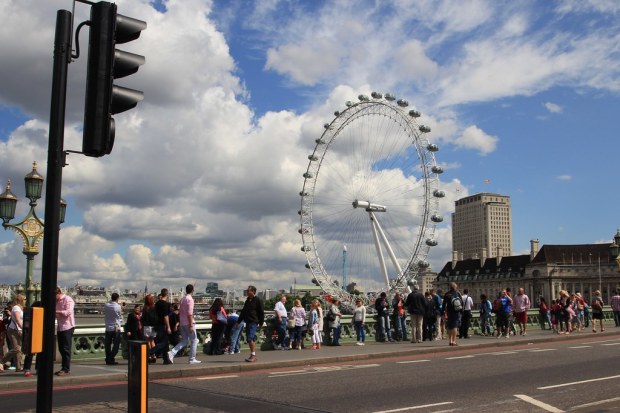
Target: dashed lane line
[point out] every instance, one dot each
(231, 376)
(543, 350)
(412, 361)
(596, 403)
(460, 357)
(320, 370)
(555, 386)
(538, 403)
(423, 406)
(577, 347)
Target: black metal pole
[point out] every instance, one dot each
(55, 162)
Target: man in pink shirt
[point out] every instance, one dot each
(188, 327)
(66, 325)
(521, 304)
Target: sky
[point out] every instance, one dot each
(203, 183)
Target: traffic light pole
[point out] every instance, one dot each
(55, 163)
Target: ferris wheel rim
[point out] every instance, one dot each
(425, 151)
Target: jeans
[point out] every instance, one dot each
(385, 333)
(162, 345)
(416, 327)
(485, 323)
(360, 331)
(298, 335)
(336, 335)
(235, 337)
(187, 336)
(545, 317)
(281, 329)
(617, 318)
(65, 342)
(401, 327)
(111, 345)
(465, 323)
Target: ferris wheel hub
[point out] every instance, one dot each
(369, 206)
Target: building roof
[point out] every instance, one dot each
(573, 254)
(510, 264)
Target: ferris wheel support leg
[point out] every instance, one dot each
(373, 225)
(388, 247)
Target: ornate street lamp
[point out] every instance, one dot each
(614, 249)
(30, 229)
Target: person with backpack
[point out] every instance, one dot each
(452, 308)
(597, 311)
(382, 308)
(468, 304)
(485, 315)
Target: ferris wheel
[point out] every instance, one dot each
(369, 202)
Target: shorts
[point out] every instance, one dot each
(250, 331)
(521, 318)
(149, 332)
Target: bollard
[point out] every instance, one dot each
(137, 377)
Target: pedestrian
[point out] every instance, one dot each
(299, 315)
(14, 334)
(149, 320)
(113, 316)
(416, 305)
(615, 307)
(485, 309)
(359, 321)
(439, 322)
(544, 313)
(6, 320)
(313, 326)
(254, 315)
(334, 315)
(579, 306)
(503, 314)
(29, 357)
(521, 303)
(280, 321)
(133, 326)
(468, 304)
(162, 328)
(597, 311)
(399, 317)
(188, 327)
(428, 325)
(175, 327)
(453, 309)
(219, 321)
(319, 310)
(234, 343)
(64, 333)
(565, 303)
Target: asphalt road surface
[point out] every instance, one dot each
(578, 375)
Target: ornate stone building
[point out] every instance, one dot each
(582, 268)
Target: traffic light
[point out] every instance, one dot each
(105, 64)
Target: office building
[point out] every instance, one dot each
(482, 226)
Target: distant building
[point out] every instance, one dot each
(213, 290)
(482, 226)
(582, 268)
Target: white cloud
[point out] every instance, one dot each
(553, 107)
(475, 138)
(564, 177)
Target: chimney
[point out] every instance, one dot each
(483, 257)
(533, 249)
(499, 255)
(455, 258)
(461, 256)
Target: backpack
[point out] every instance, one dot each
(457, 302)
(596, 305)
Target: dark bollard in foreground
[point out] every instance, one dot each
(137, 377)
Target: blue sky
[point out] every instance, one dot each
(204, 178)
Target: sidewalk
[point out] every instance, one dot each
(86, 372)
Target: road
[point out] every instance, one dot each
(577, 375)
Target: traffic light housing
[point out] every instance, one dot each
(32, 330)
(105, 64)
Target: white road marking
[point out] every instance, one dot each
(217, 377)
(597, 403)
(424, 406)
(412, 361)
(502, 353)
(543, 349)
(602, 341)
(537, 403)
(610, 344)
(460, 357)
(320, 370)
(577, 382)
(581, 347)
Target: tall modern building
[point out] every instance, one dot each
(482, 226)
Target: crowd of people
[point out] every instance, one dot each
(169, 329)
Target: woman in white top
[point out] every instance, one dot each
(359, 318)
(14, 334)
(299, 314)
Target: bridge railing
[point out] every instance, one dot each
(88, 340)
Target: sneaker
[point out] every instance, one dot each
(237, 352)
(359, 343)
(194, 361)
(171, 357)
(27, 374)
(251, 359)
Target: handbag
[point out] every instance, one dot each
(290, 322)
(221, 317)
